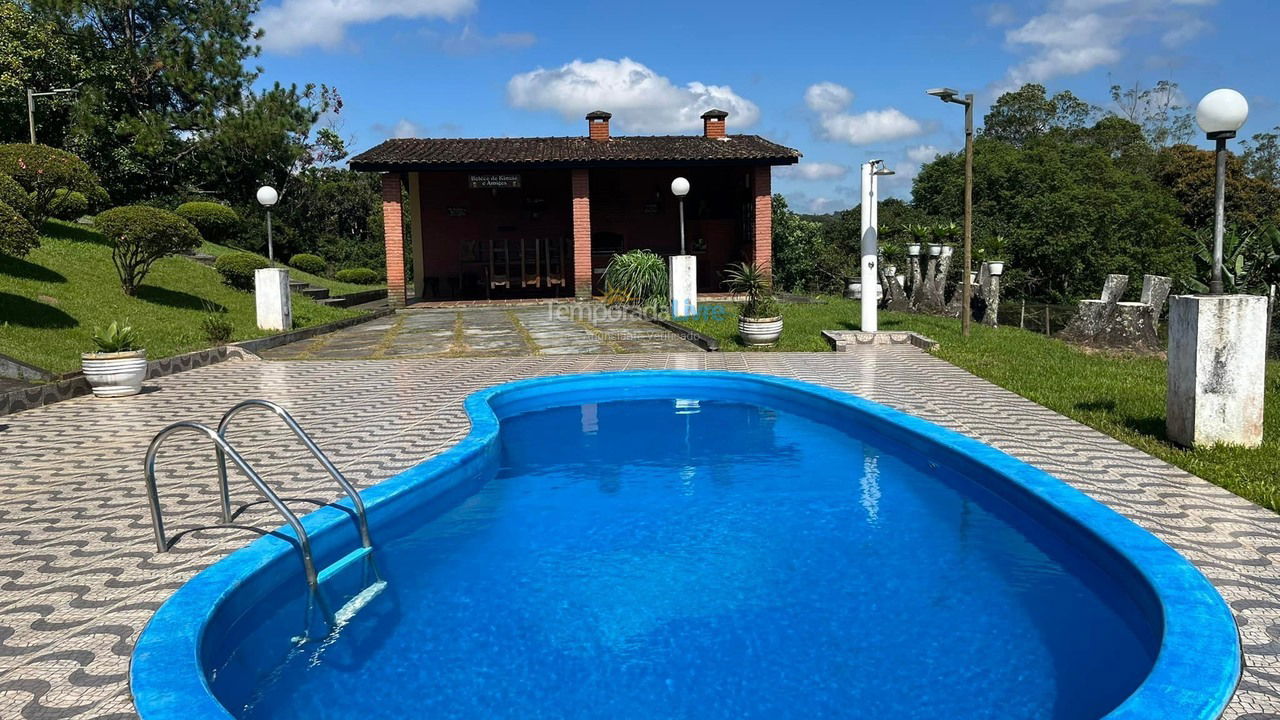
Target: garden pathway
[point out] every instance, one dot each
(79, 575)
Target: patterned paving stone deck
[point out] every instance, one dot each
(489, 330)
(79, 576)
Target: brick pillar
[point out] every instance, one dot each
(581, 189)
(762, 245)
(393, 235)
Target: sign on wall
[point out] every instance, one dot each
(479, 182)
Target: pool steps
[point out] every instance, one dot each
(226, 450)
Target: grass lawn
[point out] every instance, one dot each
(1120, 396)
(335, 288)
(51, 301)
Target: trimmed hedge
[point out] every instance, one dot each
(12, 194)
(140, 235)
(215, 222)
(69, 205)
(357, 276)
(308, 263)
(44, 171)
(17, 237)
(237, 268)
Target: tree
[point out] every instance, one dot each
(1190, 175)
(1158, 111)
(1070, 211)
(795, 249)
(17, 237)
(139, 236)
(1026, 113)
(1262, 156)
(34, 53)
(158, 71)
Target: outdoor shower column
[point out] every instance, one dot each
(580, 182)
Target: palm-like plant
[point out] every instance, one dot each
(1250, 259)
(751, 280)
(637, 276)
(946, 232)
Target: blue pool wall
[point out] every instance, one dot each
(1194, 675)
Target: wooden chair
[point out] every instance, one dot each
(554, 250)
(499, 264)
(530, 264)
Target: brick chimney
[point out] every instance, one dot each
(713, 124)
(598, 125)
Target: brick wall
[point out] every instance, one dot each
(762, 247)
(580, 182)
(393, 233)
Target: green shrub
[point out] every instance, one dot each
(217, 328)
(12, 194)
(357, 276)
(42, 171)
(140, 235)
(308, 263)
(753, 281)
(17, 237)
(69, 205)
(638, 277)
(216, 223)
(237, 268)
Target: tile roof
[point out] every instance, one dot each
(411, 154)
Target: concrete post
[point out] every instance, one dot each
(274, 301)
(684, 286)
(1217, 369)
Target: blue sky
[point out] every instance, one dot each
(840, 81)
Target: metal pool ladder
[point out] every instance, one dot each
(224, 450)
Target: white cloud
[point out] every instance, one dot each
(813, 171)
(1000, 14)
(471, 41)
(1075, 36)
(830, 101)
(923, 153)
(640, 99)
(295, 24)
(404, 128)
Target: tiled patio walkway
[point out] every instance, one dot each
(79, 576)
(481, 331)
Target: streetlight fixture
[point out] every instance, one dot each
(684, 268)
(872, 171)
(1220, 114)
(267, 197)
(948, 95)
(31, 106)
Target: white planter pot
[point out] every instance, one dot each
(973, 277)
(913, 250)
(760, 331)
(935, 250)
(115, 374)
(996, 268)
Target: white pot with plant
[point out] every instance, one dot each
(760, 319)
(995, 249)
(119, 367)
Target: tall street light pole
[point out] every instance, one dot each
(1220, 114)
(966, 288)
(267, 197)
(31, 106)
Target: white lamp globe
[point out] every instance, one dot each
(680, 187)
(267, 195)
(1222, 112)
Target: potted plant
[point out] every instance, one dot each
(760, 320)
(119, 367)
(919, 235)
(995, 249)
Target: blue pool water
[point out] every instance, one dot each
(709, 558)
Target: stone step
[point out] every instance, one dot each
(329, 300)
(297, 285)
(202, 258)
(315, 293)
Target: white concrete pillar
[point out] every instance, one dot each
(869, 266)
(275, 302)
(684, 286)
(1217, 369)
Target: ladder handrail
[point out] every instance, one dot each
(362, 520)
(224, 448)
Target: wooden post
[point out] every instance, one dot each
(1022, 316)
(1047, 331)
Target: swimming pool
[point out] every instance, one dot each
(697, 544)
